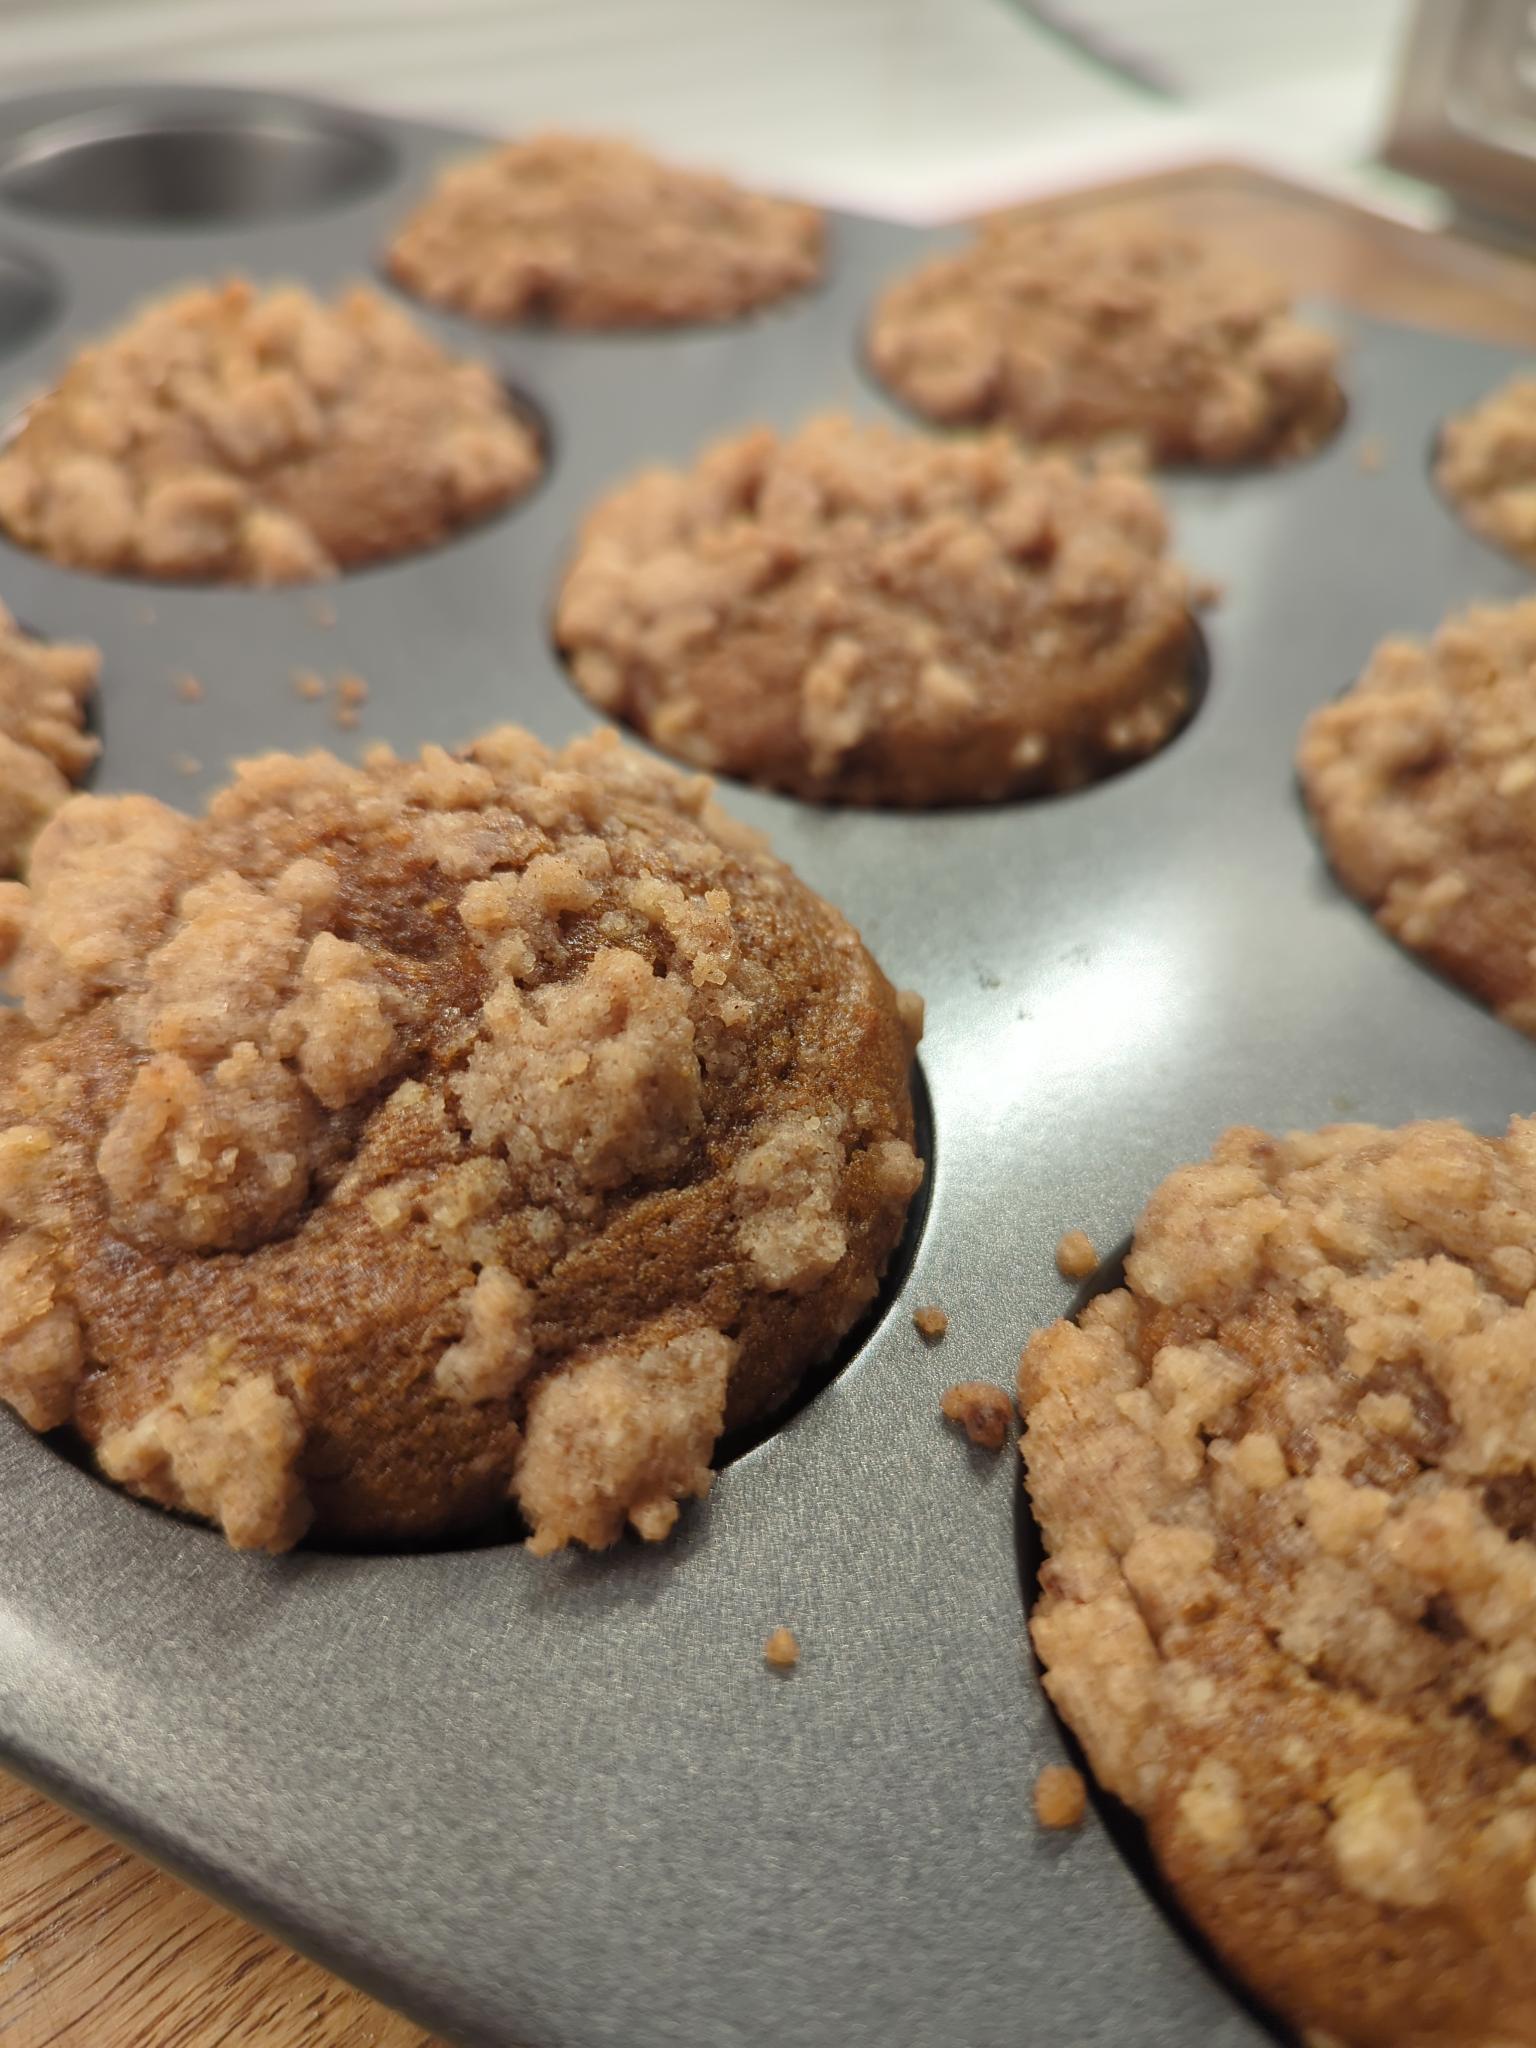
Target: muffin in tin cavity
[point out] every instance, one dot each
(1078, 330)
(1284, 1477)
(1422, 782)
(587, 231)
(235, 435)
(44, 746)
(1485, 463)
(865, 615)
(399, 1139)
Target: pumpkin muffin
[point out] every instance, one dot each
(1077, 331)
(44, 746)
(1486, 465)
(860, 614)
(1286, 1481)
(585, 231)
(396, 1140)
(1422, 780)
(231, 435)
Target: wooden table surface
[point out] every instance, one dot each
(99, 1950)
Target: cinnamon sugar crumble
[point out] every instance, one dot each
(856, 613)
(782, 1650)
(44, 690)
(1073, 330)
(1061, 1797)
(930, 1322)
(232, 435)
(1076, 1257)
(590, 232)
(188, 689)
(1422, 779)
(983, 1411)
(1284, 1478)
(1486, 465)
(402, 1138)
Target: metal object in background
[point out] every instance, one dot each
(1465, 112)
(562, 1804)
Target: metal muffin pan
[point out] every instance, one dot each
(563, 1804)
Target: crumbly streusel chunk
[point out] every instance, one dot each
(590, 232)
(398, 1138)
(1486, 465)
(232, 435)
(866, 615)
(1422, 779)
(1082, 330)
(1286, 1478)
(44, 747)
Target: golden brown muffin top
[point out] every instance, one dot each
(44, 747)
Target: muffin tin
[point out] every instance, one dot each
(563, 1804)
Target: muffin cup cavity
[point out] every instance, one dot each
(125, 169)
(29, 300)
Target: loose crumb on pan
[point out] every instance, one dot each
(351, 694)
(782, 1650)
(45, 687)
(930, 1322)
(307, 684)
(1071, 330)
(1372, 454)
(1076, 1256)
(1061, 1796)
(186, 764)
(587, 231)
(1422, 782)
(858, 613)
(229, 435)
(1284, 1485)
(983, 1411)
(402, 1138)
(189, 689)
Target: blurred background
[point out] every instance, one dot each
(917, 107)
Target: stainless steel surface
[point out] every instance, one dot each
(562, 1805)
(1465, 111)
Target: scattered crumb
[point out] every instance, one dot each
(347, 718)
(983, 1411)
(308, 685)
(186, 764)
(1372, 454)
(189, 689)
(144, 614)
(351, 695)
(321, 613)
(931, 1322)
(782, 1650)
(1075, 1256)
(1061, 1797)
(1206, 592)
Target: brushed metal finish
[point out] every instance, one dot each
(562, 1804)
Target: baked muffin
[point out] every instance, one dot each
(237, 436)
(400, 1138)
(583, 231)
(1286, 1480)
(1422, 780)
(871, 616)
(1486, 465)
(43, 743)
(1081, 330)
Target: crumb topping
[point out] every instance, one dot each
(44, 748)
(1422, 779)
(1486, 465)
(231, 435)
(1084, 330)
(1287, 1482)
(1076, 1257)
(782, 1650)
(857, 613)
(585, 231)
(498, 1123)
(930, 1322)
